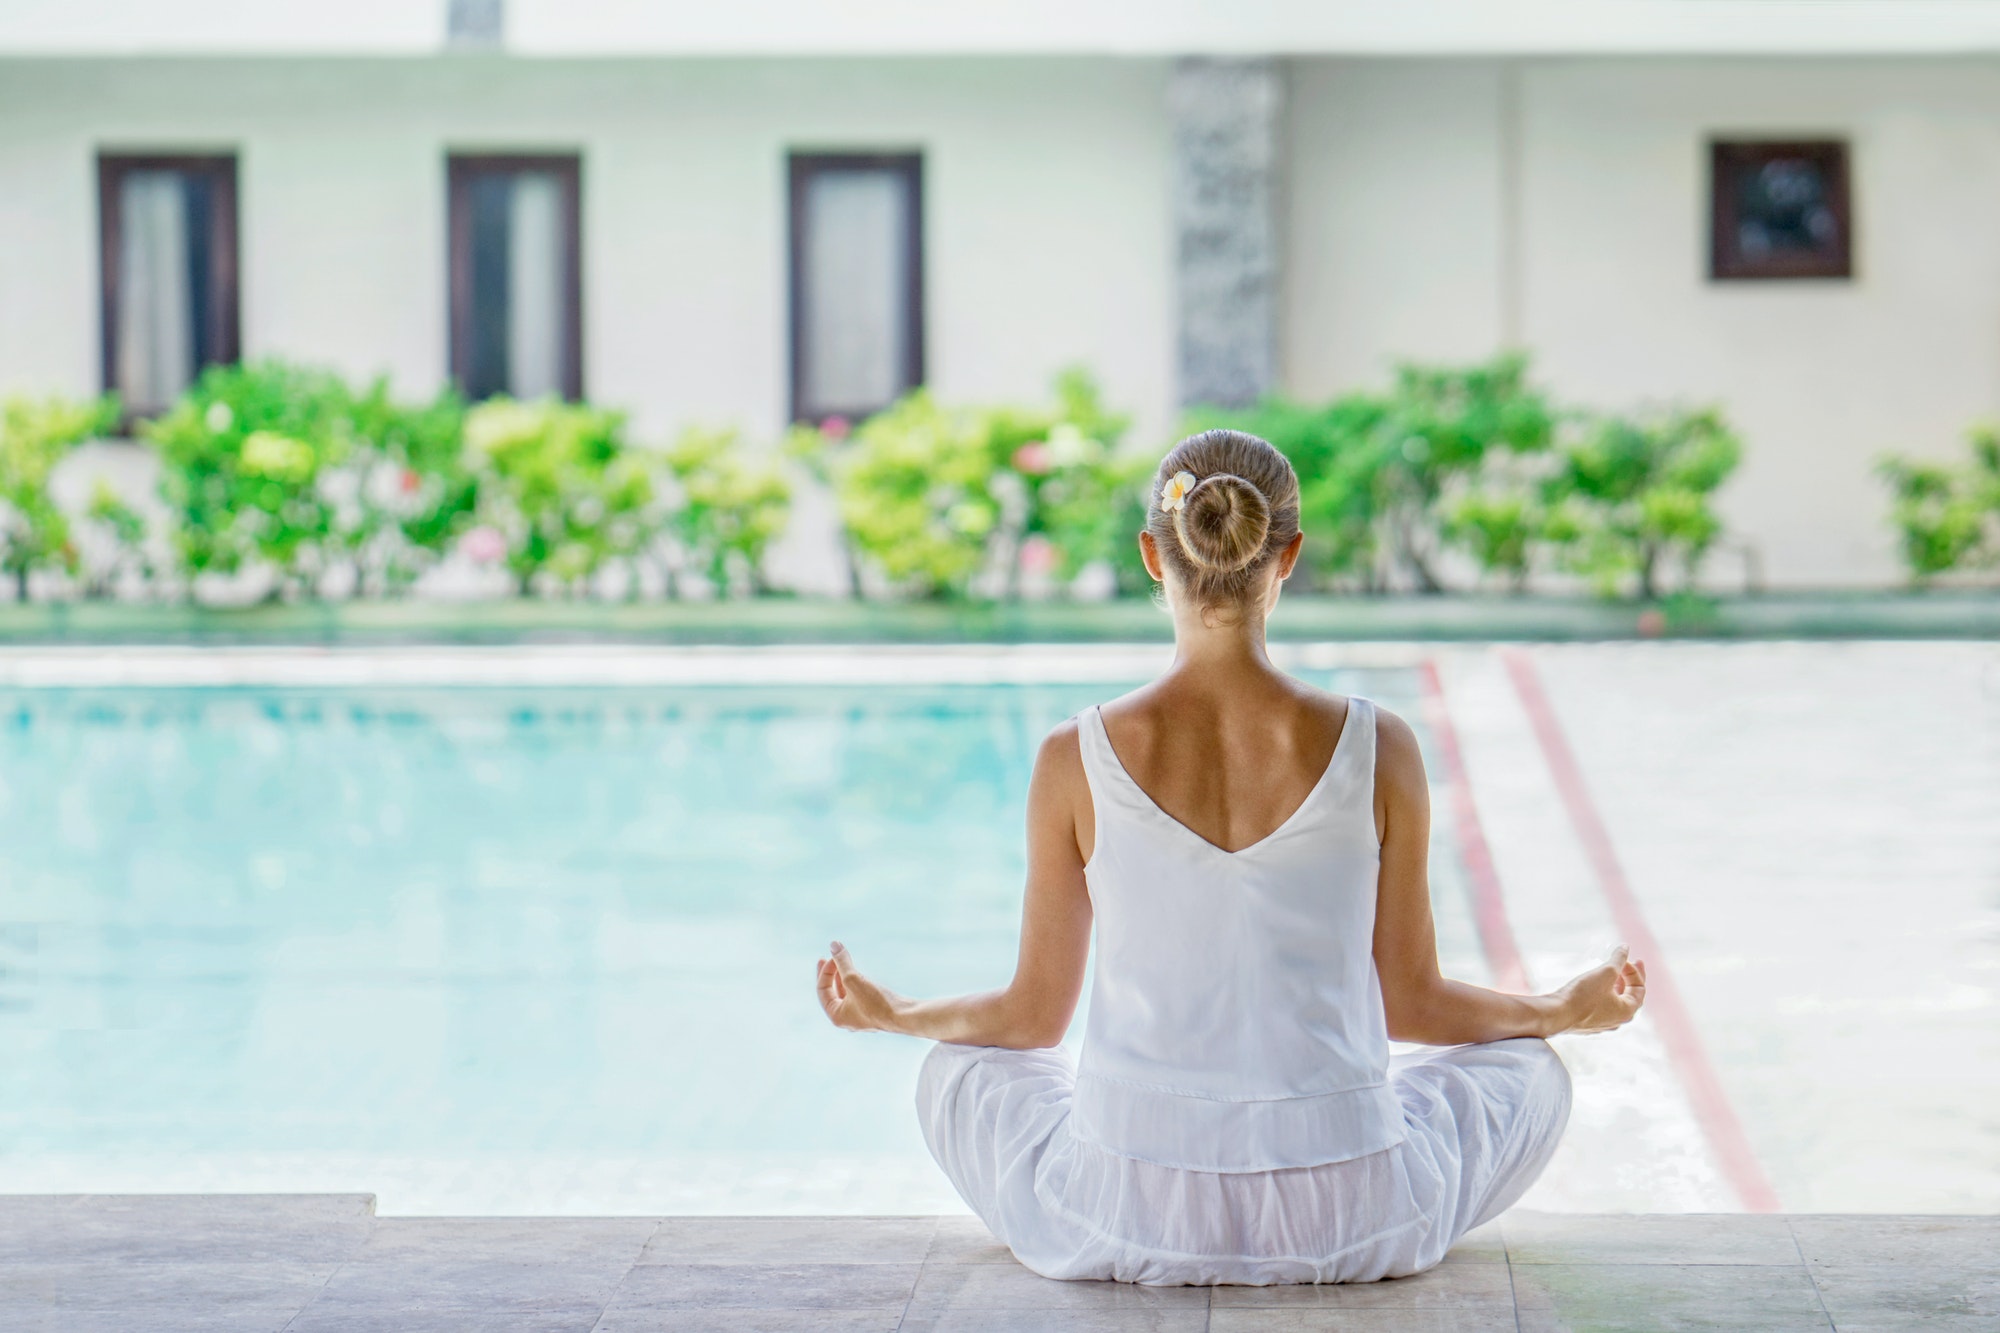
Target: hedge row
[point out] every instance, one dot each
(322, 486)
(1449, 476)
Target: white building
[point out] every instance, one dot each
(733, 212)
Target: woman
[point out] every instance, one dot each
(1252, 852)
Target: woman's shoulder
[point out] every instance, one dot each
(1061, 750)
(1390, 728)
(1397, 756)
(1065, 735)
(1399, 759)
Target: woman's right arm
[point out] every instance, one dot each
(1033, 1009)
(1422, 1004)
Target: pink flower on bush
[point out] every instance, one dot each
(835, 428)
(409, 481)
(1032, 458)
(484, 546)
(1038, 555)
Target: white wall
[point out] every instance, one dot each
(1046, 228)
(1562, 205)
(1393, 219)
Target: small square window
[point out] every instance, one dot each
(167, 263)
(1779, 210)
(516, 275)
(857, 318)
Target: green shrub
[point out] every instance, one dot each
(1632, 496)
(915, 488)
(410, 492)
(1444, 428)
(287, 465)
(125, 529)
(1499, 527)
(243, 454)
(1337, 450)
(35, 434)
(1948, 515)
(950, 501)
(562, 488)
(1475, 458)
(729, 510)
(1377, 471)
(1086, 497)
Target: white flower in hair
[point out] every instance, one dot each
(1173, 495)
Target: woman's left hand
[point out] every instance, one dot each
(1606, 997)
(851, 1000)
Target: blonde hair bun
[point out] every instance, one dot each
(1219, 528)
(1223, 525)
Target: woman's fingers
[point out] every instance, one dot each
(1631, 991)
(843, 967)
(1616, 988)
(829, 999)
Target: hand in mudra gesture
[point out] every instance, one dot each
(1608, 996)
(851, 1000)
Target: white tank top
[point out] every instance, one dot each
(1236, 1018)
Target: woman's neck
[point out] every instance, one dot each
(1228, 642)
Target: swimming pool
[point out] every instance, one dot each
(507, 950)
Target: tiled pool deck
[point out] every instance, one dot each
(308, 1262)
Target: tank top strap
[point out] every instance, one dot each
(1350, 779)
(1114, 795)
(1361, 714)
(1100, 762)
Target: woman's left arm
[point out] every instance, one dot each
(1419, 1002)
(1034, 1009)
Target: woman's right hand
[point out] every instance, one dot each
(851, 1000)
(1606, 997)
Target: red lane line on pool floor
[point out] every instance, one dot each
(1678, 1033)
(1489, 905)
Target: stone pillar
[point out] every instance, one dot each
(1228, 157)
(475, 25)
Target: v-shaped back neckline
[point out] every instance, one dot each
(1312, 796)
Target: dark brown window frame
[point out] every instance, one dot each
(1726, 159)
(460, 170)
(801, 168)
(222, 312)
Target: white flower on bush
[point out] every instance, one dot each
(483, 546)
(218, 418)
(393, 488)
(341, 487)
(1070, 447)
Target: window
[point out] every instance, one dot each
(516, 276)
(167, 262)
(857, 282)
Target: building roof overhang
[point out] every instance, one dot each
(788, 28)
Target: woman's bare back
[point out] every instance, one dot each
(1230, 765)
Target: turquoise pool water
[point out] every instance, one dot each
(503, 950)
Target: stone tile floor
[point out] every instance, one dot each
(302, 1263)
